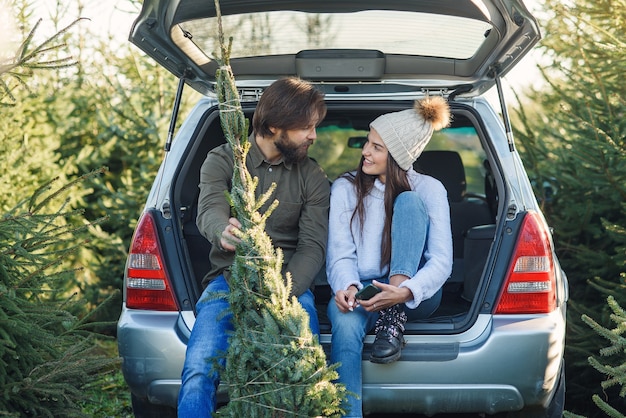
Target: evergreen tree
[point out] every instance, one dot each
(275, 366)
(47, 354)
(26, 142)
(111, 109)
(115, 113)
(615, 373)
(36, 107)
(575, 139)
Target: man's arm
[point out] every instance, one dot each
(213, 208)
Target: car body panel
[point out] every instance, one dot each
(503, 32)
(151, 349)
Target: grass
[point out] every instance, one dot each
(108, 396)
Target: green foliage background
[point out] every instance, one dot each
(112, 109)
(48, 352)
(573, 136)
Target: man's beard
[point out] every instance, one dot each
(291, 153)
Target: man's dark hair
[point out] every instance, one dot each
(289, 103)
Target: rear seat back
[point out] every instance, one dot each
(465, 212)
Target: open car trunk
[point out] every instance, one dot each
(455, 156)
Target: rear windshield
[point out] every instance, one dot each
(391, 32)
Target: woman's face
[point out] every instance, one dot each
(375, 156)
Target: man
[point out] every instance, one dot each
(284, 125)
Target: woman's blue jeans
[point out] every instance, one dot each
(409, 231)
(209, 342)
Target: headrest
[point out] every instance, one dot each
(447, 167)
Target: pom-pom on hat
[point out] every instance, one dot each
(407, 132)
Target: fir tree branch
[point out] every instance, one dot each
(283, 368)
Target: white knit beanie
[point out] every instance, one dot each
(407, 132)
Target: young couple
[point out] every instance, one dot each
(388, 225)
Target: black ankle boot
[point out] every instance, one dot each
(389, 340)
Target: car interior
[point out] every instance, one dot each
(455, 157)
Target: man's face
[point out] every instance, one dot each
(294, 144)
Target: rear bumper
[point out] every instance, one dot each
(513, 363)
(153, 351)
(451, 398)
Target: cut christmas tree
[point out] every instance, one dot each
(275, 365)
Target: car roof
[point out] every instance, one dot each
(397, 45)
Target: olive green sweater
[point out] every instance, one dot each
(299, 225)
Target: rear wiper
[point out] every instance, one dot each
(463, 88)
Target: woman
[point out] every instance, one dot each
(389, 226)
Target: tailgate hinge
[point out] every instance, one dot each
(250, 94)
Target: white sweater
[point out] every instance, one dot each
(352, 258)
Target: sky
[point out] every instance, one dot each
(109, 16)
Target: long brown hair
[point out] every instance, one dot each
(396, 183)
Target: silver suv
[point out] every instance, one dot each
(495, 346)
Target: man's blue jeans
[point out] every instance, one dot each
(409, 232)
(209, 341)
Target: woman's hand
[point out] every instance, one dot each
(345, 299)
(390, 295)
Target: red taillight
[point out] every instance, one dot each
(530, 285)
(147, 285)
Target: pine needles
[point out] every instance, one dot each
(47, 352)
(275, 366)
(615, 374)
